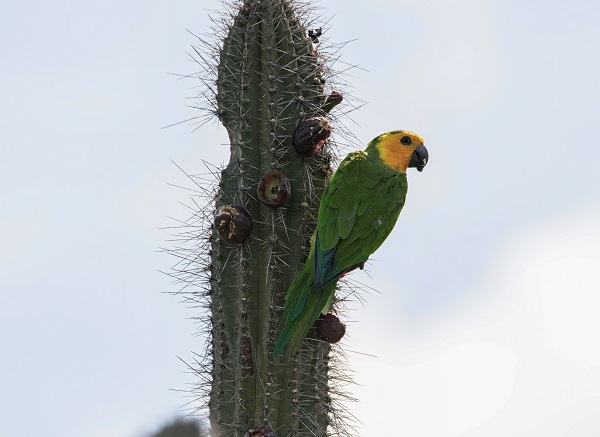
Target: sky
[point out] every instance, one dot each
(484, 323)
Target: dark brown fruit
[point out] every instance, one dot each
(233, 223)
(260, 432)
(310, 135)
(274, 189)
(330, 328)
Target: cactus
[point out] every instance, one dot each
(182, 428)
(270, 94)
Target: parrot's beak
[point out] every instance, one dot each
(419, 158)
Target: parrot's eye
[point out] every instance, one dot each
(406, 140)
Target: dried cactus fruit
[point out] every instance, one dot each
(330, 328)
(260, 432)
(233, 223)
(274, 189)
(310, 135)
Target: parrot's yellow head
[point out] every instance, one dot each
(400, 150)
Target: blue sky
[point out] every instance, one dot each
(485, 322)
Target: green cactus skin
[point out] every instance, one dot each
(268, 79)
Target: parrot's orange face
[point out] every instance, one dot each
(402, 149)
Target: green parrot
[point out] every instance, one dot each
(358, 210)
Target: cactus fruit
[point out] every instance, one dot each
(274, 189)
(310, 135)
(271, 94)
(233, 223)
(330, 328)
(260, 432)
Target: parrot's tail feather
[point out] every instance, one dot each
(299, 307)
(294, 330)
(295, 300)
(282, 341)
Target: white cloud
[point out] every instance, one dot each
(118, 432)
(20, 231)
(526, 362)
(461, 387)
(569, 287)
(455, 66)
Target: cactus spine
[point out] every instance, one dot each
(269, 78)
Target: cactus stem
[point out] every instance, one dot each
(268, 76)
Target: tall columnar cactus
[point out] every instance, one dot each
(271, 98)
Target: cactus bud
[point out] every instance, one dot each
(333, 99)
(314, 34)
(330, 328)
(309, 136)
(233, 223)
(274, 189)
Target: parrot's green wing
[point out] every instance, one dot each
(358, 211)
